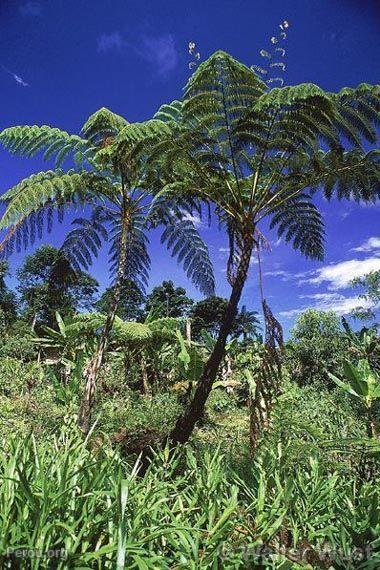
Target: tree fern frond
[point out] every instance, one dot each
(55, 188)
(30, 140)
(103, 124)
(219, 93)
(83, 243)
(287, 96)
(300, 222)
(123, 331)
(351, 175)
(184, 242)
(134, 140)
(171, 112)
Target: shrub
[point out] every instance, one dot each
(27, 400)
(317, 346)
(135, 413)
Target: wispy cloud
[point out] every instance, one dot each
(30, 9)
(339, 275)
(160, 51)
(372, 244)
(19, 80)
(285, 275)
(193, 218)
(113, 41)
(336, 302)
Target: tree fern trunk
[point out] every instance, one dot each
(145, 388)
(92, 370)
(186, 423)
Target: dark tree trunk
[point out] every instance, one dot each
(186, 423)
(92, 370)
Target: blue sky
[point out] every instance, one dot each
(63, 59)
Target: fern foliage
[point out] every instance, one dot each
(184, 243)
(103, 124)
(109, 183)
(31, 140)
(232, 144)
(255, 152)
(124, 332)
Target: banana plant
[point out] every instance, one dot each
(364, 344)
(192, 357)
(65, 347)
(363, 384)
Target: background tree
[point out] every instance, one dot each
(317, 347)
(49, 284)
(8, 303)
(255, 153)
(166, 300)
(209, 313)
(369, 285)
(130, 307)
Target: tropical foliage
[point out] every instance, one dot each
(282, 467)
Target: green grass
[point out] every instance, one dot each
(190, 510)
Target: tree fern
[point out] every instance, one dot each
(256, 153)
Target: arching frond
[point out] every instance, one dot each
(184, 242)
(123, 331)
(83, 242)
(216, 98)
(32, 203)
(103, 124)
(31, 140)
(358, 112)
(353, 175)
(52, 187)
(221, 85)
(164, 328)
(171, 112)
(300, 222)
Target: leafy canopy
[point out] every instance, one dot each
(255, 153)
(112, 190)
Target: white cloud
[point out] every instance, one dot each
(19, 80)
(336, 302)
(193, 218)
(291, 313)
(160, 51)
(372, 244)
(30, 9)
(279, 273)
(111, 42)
(340, 275)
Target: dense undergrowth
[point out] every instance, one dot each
(309, 498)
(79, 504)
